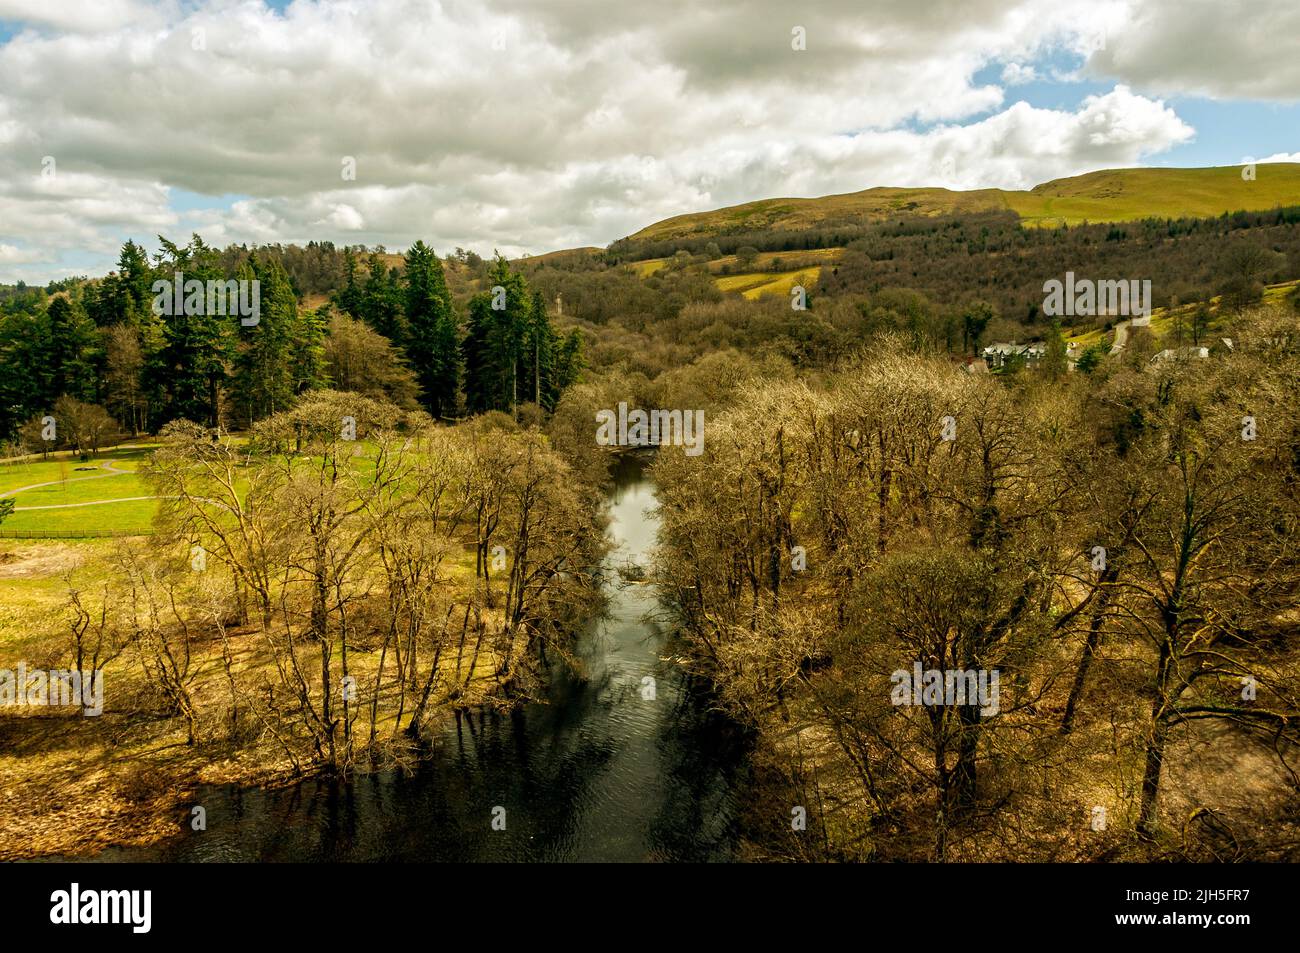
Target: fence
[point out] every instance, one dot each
(72, 533)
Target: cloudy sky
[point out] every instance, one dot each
(532, 126)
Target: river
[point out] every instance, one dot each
(597, 771)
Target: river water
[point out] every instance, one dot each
(596, 772)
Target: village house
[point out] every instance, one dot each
(1180, 354)
(997, 355)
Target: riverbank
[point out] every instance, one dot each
(72, 784)
(619, 757)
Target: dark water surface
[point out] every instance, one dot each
(596, 773)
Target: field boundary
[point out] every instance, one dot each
(72, 533)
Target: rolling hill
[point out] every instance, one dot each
(1115, 195)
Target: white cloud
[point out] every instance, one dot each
(345, 217)
(529, 127)
(1016, 74)
(1239, 50)
(73, 16)
(11, 254)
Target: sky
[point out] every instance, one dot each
(533, 126)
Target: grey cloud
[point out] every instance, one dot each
(593, 120)
(1239, 50)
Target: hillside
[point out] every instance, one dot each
(1116, 195)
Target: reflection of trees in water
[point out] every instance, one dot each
(551, 765)
(701, 754)
(540, 762)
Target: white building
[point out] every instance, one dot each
(1180, 354)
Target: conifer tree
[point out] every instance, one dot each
(498, 341)
(192, 363)
(73, 351)
(265, 379)
(381, 300)
(432, 336)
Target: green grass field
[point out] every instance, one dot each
(777, 261)
(124, 517)
(69, 481)
(1162, 319)
(1125, 195)
(757, 284)
(95, 501)
(19, 472)
(1116, 195)
(644, 269)
(112, 486)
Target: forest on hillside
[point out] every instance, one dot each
(864, 503)
(431, 332)
(112, 356)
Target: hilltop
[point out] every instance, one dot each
(1113, 195)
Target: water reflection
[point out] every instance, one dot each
(596, 772)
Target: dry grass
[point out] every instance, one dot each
(70, 784)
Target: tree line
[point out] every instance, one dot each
(394, 333)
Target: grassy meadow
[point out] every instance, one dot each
(1118, 195)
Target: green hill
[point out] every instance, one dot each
(1115, 195)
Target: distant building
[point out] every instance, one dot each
(1180, 354)
(997, 355)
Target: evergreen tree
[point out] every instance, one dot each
(501, 322)
(432, 337)
(350, 299)
(479, 396)
(569, 362)
(537, 372)
(381, 300)
(265, 378)
(192, 362)
(72, 351)
(25, 380)
(307, 348)
(135, 279)
(123, 296)
(974, 320)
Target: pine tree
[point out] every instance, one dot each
(123, 296)
(265, 376)
(499, 343)
(433, 337)
(479, 396)
(538, 371)
(381, 300)
(569, 362)
(25, 380)
(192, 362)
(73, 351)
(350, 299)
(307, 350)
(1055, 363)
